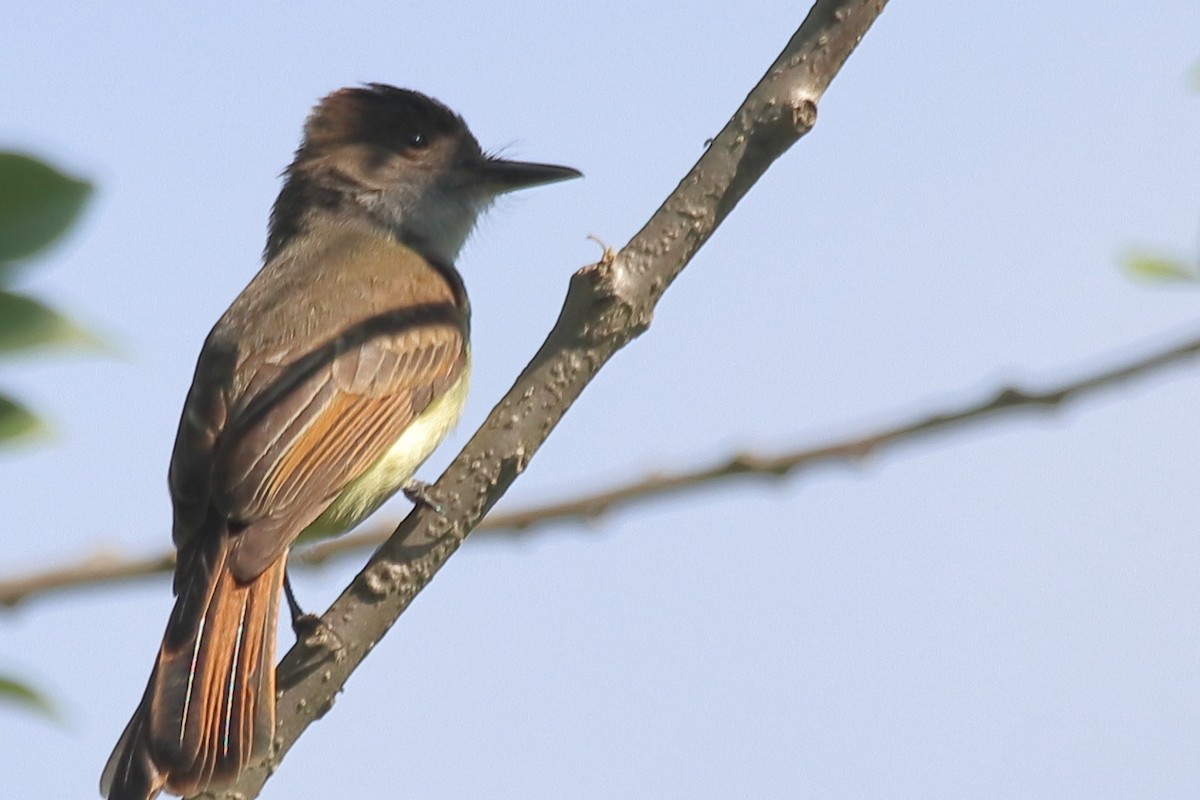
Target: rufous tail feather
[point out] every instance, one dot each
(209, 707)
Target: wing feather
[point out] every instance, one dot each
(334, 422)
(279, 421)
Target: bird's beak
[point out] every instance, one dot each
(501, 175)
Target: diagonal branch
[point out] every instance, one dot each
(607, 305)
(104, 569)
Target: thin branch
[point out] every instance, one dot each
(607, 305)
(103, 569)
(96, 570)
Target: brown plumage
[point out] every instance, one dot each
(261, 454)
(330, 378)
(209, 708)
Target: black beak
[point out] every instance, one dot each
(501, 175)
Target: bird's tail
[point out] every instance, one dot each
(209, 708)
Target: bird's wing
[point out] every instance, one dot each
(306, 425)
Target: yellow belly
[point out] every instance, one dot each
(395, 467)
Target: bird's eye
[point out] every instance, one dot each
(414, 139)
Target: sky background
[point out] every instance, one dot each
(1004, 611)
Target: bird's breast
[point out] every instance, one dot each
(396, 466)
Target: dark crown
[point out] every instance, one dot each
(381, 115)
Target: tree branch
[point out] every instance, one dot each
(103, 569)
(607, 305)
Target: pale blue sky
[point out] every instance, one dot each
(1009, 611)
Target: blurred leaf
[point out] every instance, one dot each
(18, 693)
(37, 204)
(16, 422)
(1158, 269)
(25, 323)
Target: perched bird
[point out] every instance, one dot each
(327, 382)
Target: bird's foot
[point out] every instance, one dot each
(418, 494)
(308, 627)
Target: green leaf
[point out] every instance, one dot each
(26, 323)
(37, 204)
(18, 693)
(1158, 269)
(17, 422)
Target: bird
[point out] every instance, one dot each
(316, 396)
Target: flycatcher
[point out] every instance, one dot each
(318, 393)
